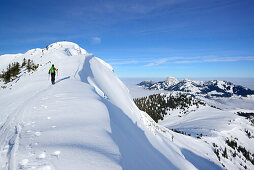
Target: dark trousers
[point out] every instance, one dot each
(53, 75)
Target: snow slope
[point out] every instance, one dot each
(215, 126)
(87, 120)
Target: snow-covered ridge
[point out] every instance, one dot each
(211, 88)
(66, 48)
(70, 48)
(87, 120)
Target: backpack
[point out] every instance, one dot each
(52, 69)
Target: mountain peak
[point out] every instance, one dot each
(70, 48)
(66, 46)
(171, 80)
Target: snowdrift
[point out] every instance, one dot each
(87, 120)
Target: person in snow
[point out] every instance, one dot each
(52, 71)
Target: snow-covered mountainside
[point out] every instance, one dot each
(211, 88)
(87, 120)
(225, 123)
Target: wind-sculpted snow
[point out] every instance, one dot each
(136, 150)
(87, 120)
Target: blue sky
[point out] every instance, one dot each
(140, 38)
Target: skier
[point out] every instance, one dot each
(52, 71)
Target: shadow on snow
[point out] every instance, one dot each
(62, 79)
(136, 151)
(198, 161)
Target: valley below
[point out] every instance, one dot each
(225, 123)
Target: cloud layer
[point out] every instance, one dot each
(153, 62)
(96, 40)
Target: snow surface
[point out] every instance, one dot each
(217, 121)
(87, 120)
(171, 80)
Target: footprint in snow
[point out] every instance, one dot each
(42, 155)
(29, 146)
(56, 153)
(37, 133)
(5, 149)
(23, 163)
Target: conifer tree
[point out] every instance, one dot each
(225, 154)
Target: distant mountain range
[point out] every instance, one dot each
(213, 88)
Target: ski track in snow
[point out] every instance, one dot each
(10, 132)
(9, 136)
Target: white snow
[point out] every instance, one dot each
(37, 133)
(205, 120)
(215, 124)
(190, 87)
(42, 155)
(171, 80)
(215, 92)
(24, 162)
(88, 116)
(56, 153)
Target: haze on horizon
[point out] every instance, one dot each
(140, 38)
